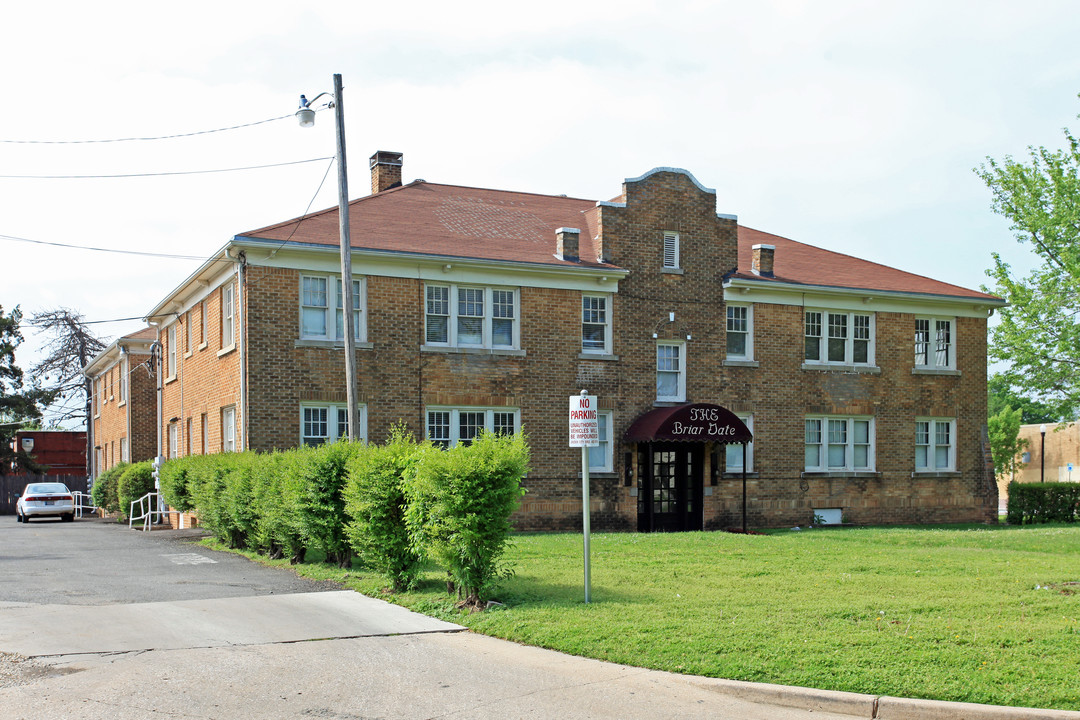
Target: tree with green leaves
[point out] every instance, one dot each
(1005, 441)
(1003, 396)
(18, 404)
(1039, 331)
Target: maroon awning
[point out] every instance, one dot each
(693, 422)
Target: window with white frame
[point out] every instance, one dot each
(460, 316)
(934, 345)
(839, 443)
(935, 444)
(123, 380)
(174, 442)
(202, 323)
(228, 316)
(321, 302)
(733, 461)
(446, 427)
(670, 371)
(600, 457)
(671, 250)
(596, 324)
(170, 360)
(839, 338)
(740, 335)
(204, 431)
(124, 450)
(228, 429)
(321, 423)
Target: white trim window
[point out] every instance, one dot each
(322, 423)
(839, 443)
(935, 347)
(170, 357)
(671, 250)
(446, 427)
(123, 381)
(124, 450)
(838, 338)
(174, 441)
(670, 371)
(596, 324)
(733, 460)
(321, 316)
(466, 316)
(740, 332)
(935, 444)
(600, 457)
(228, 429)
(228, 316)
(202, 323)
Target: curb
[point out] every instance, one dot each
(874, 707)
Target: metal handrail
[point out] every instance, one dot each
(146, 506)
(81, 503)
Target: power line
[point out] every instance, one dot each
(160, 174)
(145, 139)
(89, 322)
(100, 249)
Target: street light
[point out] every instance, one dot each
(1042, 454)
(306, 116)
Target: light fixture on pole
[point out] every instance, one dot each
(306, 116)
(1042, 454)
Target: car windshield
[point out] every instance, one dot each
(46, 488)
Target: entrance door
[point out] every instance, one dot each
(670, 487)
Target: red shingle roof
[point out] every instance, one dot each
(454, 221)
(803, 264)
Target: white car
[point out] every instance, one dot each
(44, 499)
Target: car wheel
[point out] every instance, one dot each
(69, 517)
(26, 519)
(18, 517)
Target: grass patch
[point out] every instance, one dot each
(980, 614)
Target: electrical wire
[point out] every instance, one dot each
(146, 139)
(100, 249)
(160, 174)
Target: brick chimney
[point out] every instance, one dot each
(385, 171)
(566, 243)
(764, 255)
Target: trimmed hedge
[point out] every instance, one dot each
(1043, 503)
(136, 480)
(104, 490)
(393, 505)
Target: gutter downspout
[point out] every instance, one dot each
(241, 299)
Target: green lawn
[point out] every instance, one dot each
(982, 614)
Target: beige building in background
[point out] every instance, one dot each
(1062, 450)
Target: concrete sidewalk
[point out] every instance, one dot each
(344, 655)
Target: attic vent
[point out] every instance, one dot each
(671, 249)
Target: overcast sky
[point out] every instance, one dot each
(847, 125)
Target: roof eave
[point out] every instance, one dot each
(736, 282)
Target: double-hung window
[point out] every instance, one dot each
(321, 302)
(600, 457)
(461, 316)
(740, 335)
(671, 250)
(228, 429)
(170, 361)
(733, 461)
(123, 367)
(174, 443)
(935, 445)
(838, 338)
(670, 371)
(596, 324)
(228, 316)
(934, 345)
(447, 427)
(838, 444)
(321, 423)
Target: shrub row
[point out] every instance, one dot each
(1043, 503)
(393, 505)
(116, 488)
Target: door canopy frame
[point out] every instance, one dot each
(692, 422)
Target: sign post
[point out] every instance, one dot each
(584, 433)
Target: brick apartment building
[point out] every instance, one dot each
(123, 398)
(864, 386)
